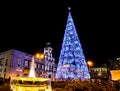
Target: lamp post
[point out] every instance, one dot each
(90, 64)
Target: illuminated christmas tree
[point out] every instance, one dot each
(72, 63)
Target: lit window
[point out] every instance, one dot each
(43, 67)
(26, 63)
(35, 65)
(38, 66)
(18, 62)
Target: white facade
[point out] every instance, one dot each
(50, 66)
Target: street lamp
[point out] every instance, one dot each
(39, 56)
(90, 64)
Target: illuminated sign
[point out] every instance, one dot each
(115, 74)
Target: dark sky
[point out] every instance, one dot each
(28, 26)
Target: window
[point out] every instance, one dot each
(42, 67)
(35, 65)
(54, 69)
(38, 66)
(1, 61)
(6, 62)
(18, 62)
(26, 63)
(46, 67)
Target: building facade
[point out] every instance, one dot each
(17, 63)
(100, 73)
(50, 66)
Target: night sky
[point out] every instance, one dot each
(28, 26)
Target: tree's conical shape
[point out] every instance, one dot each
(72, 63)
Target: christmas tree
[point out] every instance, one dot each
(72, 63)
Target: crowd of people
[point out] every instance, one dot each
(74, 85)
(86, 85)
